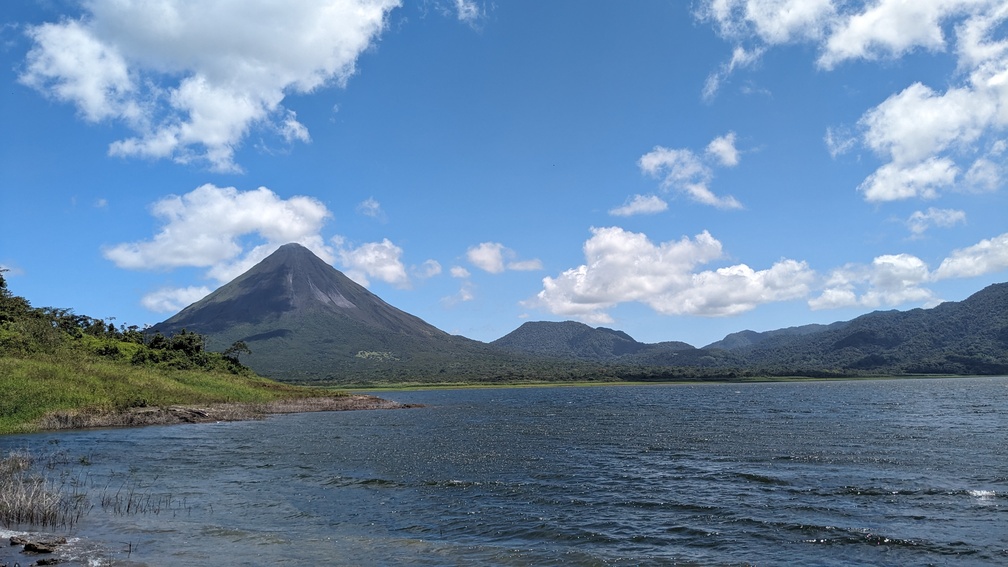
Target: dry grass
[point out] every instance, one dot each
(29, 498)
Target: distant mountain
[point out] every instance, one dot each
(743, 339)
(295, 283)
(568, 339)
(965, 337)
(304, 320)
(574, 340)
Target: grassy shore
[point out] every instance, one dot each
(46, 393)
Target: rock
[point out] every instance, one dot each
(48, 561)
(43, 546)
(18, 540)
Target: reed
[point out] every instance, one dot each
(29, 498)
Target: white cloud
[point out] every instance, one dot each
(459, 272)
(838, 141)
(893, 182)
(525, 265)
(684, 171)
(920, 221)
(487, 256)
(984, 175)
(494, 257)
(428, 269)
(622, 266)
(172, 300)
(918, 123)
(370, 207)
(890, 280)
(896, 279)
(73, 66)
(640, 205)
(985, 257)
(465, 293)
(740, 59)
(468, 11)
(723, 148)
(203, 228)
(192, 78)
(772, 21)
(890, 28)
(378, 260)
(925, 137)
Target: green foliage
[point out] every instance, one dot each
(54, 360)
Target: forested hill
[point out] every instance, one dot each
(966, 337)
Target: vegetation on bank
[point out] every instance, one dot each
(55, 361)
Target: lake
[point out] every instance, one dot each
(881, 472)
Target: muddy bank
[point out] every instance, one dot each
(209, 413)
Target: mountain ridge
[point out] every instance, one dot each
(305, 321)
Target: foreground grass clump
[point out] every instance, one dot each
(59, 369)
(29, 498)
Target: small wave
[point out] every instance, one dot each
(344, 481)
(984, 495)
(762, 479)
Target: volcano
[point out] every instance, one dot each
(305, 321)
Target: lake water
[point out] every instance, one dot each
(889, 472)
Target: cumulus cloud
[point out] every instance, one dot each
(203, 227)
(897, 279)
(622, 266)
(724, 150)
(640, 205)
(889, 28)
(892, 279)
(379, 260)
(772, 21)
(209, 228)
(920, 221)
(768, 22)
(985, 257)
(495, 258)
(191, 79)
(172, 300)
(459, 272)
(684, 171)
(927, 138)
(893, 181)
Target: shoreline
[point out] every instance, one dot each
(212, 413)
(359, 388)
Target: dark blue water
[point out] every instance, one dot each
(895, 472)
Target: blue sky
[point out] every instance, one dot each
(677, 170)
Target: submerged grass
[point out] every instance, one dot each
(28, 497)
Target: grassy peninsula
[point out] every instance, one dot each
(59, 369)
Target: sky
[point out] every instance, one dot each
(678, 170)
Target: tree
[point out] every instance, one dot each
(236, 348)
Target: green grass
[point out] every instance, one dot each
(42, 384)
